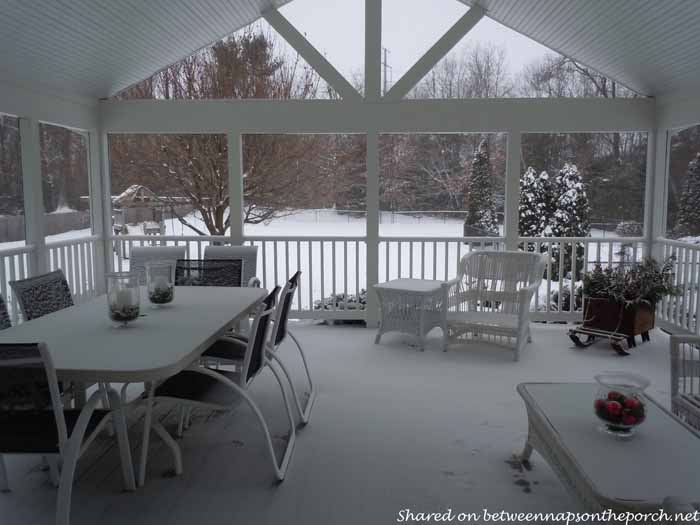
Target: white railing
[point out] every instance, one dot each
(14, 265)
(679, 314)
(335, 267)
(564, 274)
(77, 258)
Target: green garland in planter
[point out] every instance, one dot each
(645, 282)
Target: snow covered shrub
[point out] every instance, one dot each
(688, 218)
(480, 217)
(629, 229)
(340, 301)
(536, 203)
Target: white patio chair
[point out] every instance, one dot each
(685, 378)
(248, 254)
(200, 387)
(140, 255)
(491, 295)
(231, 349)
(34, 421)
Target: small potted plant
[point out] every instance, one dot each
(622, 300)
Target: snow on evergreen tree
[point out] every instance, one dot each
(536, 206)
(688, 217)
(572, 211)
(481, 207)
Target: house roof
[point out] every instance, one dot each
(651, 46)
(95, 48)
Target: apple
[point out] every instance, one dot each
(629, 419)
(614, 408)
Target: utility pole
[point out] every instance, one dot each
(386, 70)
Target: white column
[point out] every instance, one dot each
(372, 226)
(33, 194)
(512, 200)
(373, 49)
(235, 185)
(100, 209)
(657, 201)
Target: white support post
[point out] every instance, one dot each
(657, 161)
(431, 57)
(309, 53)
(33, 194)
(512, 200)
(372, 226)
(106, 193)
(235, 185)
(99, 208)
(373, 50)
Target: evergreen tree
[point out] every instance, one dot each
(688, 217)
(572, 211)
(481, 207)
(536, 203)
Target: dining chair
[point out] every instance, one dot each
(231, 348)
(248, 254)
(209, 272)
(140, 255)
(4, 315)
(33, 420)
(42, 295)
(220, 390)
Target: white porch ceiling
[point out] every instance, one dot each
(95, 48)
(651, 46)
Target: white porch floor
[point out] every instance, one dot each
(393, 428)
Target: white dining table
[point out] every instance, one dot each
(87, 347)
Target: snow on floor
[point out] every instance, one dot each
(392, 428)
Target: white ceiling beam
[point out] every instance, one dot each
(309, 53)
(373, 50)
(435, 53)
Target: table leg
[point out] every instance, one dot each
(146, 434)
(421, 329)
(527, 452)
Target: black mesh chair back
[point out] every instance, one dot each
(208, 272)
(29, 392)
(4, 315)
(286, 301)
(255, 358)
(42, 295)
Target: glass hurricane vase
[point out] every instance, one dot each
(123, 296)
(160, 282)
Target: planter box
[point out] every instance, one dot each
(611, 316)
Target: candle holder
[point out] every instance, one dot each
(123, 296)
(160, 282)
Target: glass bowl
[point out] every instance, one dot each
(619, 402)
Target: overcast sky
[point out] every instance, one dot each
(410, 27)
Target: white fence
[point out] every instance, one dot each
(337, 267)
(14, 264)
(77, 258)
(680, 314)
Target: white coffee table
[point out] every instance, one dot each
(662, 459)
(411, 306)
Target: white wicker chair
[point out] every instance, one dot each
(685, 378)
(492, 295)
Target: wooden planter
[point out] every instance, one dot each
(610, 320)
(610, 316)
